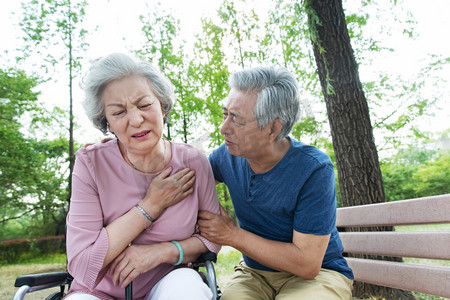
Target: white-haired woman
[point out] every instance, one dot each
(135, 199)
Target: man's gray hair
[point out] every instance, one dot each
(116, 66)
(278, 95)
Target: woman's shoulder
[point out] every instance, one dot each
(93, 150)
(189, 155)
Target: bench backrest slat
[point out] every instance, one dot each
(433, 245)
(424, 279)
(428, 210)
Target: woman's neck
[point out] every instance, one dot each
(151, 162)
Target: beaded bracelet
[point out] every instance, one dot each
(180, 250)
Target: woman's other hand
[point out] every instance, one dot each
(165, 191)
(138, 259)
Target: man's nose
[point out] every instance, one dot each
(226, 126)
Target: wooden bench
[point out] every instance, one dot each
(428, 279)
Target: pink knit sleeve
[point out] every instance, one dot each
(87, 240)
(207, 195)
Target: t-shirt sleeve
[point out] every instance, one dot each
(214, 159)
(87, 240)
(316, 203)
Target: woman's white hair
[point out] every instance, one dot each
(115, 66)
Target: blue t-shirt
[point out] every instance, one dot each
(297, 194)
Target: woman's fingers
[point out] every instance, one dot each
(164, 173)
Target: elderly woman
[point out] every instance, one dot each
(135, 199)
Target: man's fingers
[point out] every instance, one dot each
(223, 212)
(206, 215)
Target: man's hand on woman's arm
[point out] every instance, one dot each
(303, 257)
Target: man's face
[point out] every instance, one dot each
(242, 135)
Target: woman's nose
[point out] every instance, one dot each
(136, 118)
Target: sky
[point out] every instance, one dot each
(118, 29)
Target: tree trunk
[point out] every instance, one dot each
(71, 137)
(357, 162)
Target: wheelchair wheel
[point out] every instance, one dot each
(55, 296)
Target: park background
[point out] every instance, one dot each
(400, 46)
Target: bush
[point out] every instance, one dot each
(20, 250)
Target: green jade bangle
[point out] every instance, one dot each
(180, 250)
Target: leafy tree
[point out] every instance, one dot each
(32, 170)
(211, 73)
(54, 27)
(161, 30)
(433, 178)
(240, 28)
(415, 172)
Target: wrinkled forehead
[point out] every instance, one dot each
(241, 103)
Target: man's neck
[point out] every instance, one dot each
(270, 157)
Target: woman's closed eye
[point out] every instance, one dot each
(144, 106)
(118, 113)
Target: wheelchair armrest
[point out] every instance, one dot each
(207, 256)
(56, 278)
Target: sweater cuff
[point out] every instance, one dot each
(211, 246)
(93, 275)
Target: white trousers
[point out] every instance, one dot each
(183, 283)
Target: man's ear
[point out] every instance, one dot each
(275, 129)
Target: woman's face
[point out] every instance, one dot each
(134, 113)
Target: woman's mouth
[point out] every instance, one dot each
(140, 135)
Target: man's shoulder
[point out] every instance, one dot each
(304, 152)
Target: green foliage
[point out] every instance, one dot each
(241, 27)
(211, 73)
(225, 266)
(161, 30)
(27, 250)
(32, 184)
(415, 172)
(53, 24)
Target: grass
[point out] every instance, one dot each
(9, 273)
(225, 266)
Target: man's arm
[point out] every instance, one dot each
(303, 257)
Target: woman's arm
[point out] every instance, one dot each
(91, 246)
(163, 192)
(138, 259)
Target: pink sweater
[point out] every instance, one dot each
(104, 187)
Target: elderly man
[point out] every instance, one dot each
(283, 193)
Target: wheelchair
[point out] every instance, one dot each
(35, 282)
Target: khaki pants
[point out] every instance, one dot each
(251, 284)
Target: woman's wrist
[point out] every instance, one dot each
(152, 210)
(180, 253)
